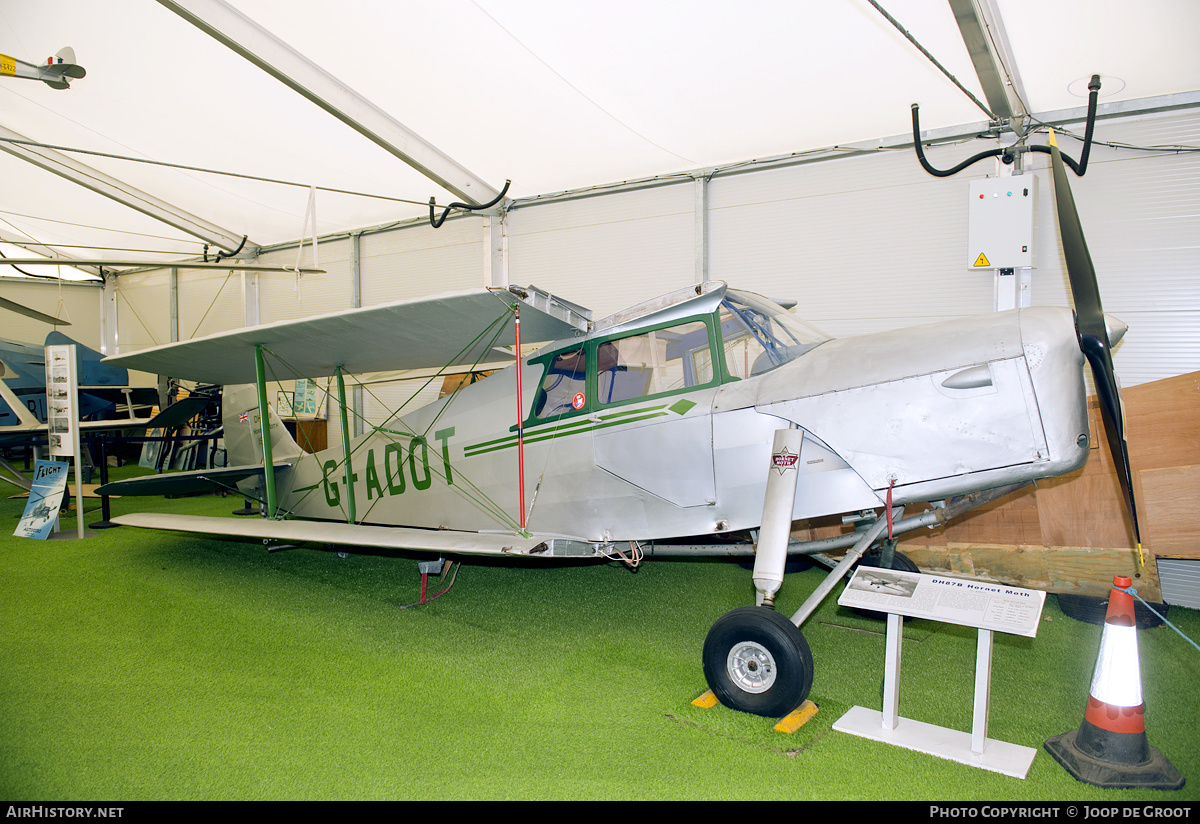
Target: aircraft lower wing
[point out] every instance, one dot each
(447, 541)
(183, 483)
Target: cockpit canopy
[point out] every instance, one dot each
(758, 335)
(740, 337)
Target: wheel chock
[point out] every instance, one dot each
(797, 718)
(706, 701)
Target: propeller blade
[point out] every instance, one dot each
(30, 313)
(1093, 331)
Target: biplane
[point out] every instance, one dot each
(650, 431)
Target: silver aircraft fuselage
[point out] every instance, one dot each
(658, 423)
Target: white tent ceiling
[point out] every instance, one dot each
(551, 94)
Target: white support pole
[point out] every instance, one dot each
(701, 242)
(173, 301)
(356, 393)
(891, 671)
(495, 252)
(983, 691)
(109, 334)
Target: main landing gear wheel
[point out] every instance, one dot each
(757, 661)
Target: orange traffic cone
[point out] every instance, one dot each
(1110, 748)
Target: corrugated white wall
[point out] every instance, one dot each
(143, 308)
(422, 261)
(210, 301)
(80, 305)
(606, 252)
(863, 244)
(1141, 214)
(283, 296)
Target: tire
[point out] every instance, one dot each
(1093, 610)
(900, 561)
(757, 661)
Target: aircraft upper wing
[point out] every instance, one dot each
(436, 331)
(448, 541)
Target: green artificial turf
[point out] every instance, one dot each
(146, 665)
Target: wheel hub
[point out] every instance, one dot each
(751, 667)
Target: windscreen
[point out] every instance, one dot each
(759, 335)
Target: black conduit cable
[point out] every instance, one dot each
(234, 253)
(1081, 167)
(1078, 168)
(437, 222)
(29, 274)
(943, 172)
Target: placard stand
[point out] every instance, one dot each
(62, 417)
(974, 748)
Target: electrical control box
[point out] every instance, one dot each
(1001, 220)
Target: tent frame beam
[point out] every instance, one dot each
(100, 183)
(238, 32)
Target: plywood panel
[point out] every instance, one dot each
(1172, 510)
(1164, 422)
(1083, 509)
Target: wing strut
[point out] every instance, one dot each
(520, 421)
(264, 425)
(350, 514)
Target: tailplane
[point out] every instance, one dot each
(243, 430)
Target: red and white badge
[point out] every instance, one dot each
(784, 460)
(578, 400)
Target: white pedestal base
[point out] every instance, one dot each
(997, 756)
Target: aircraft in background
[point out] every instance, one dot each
(102, 388)
(57, 73)
(104, 395)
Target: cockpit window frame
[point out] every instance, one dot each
(591, 349)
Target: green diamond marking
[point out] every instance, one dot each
(680, 407)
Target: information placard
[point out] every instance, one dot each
(45, 497)
(997, 607)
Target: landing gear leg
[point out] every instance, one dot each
(757, 661)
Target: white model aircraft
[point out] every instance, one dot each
(57, 72)
(655, 423)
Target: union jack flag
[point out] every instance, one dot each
(244, 417)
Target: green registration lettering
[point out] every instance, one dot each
(373, 477)
(419, 483)
(332, 496)
(444, 436)
(393, 467)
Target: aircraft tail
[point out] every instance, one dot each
(243, 439)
